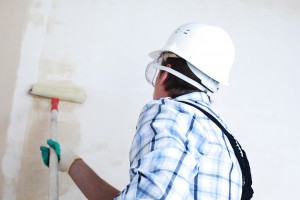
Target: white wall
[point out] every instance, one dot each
(103, 46)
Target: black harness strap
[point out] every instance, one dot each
(247, 192)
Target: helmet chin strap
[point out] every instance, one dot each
(183, 77)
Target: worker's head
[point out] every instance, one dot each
(196, 57)
(167, 84)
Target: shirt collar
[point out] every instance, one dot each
(194, 96)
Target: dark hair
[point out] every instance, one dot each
(174, 85)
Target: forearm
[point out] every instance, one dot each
(90, 184)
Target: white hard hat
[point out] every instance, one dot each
(208, 50)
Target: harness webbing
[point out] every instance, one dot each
(247, 192)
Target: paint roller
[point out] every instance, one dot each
(56, 93)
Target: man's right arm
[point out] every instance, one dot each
(90, 184)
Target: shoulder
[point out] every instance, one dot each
(169, 123)
(164, 109)
(160, 106)
(162, 118)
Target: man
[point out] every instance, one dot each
(182, 148)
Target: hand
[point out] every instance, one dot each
(65, 156)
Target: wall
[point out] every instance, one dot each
(103, 46)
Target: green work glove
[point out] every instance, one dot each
(64, 155)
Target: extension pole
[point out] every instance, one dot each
(53, 161)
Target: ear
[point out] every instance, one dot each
(163, 76)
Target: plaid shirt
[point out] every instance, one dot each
(178, 153)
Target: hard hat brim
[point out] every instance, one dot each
(156, 54)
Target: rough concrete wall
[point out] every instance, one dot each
(13, 21)
(103, 46)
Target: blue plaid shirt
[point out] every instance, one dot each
(178, 153)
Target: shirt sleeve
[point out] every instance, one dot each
(161, 167)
